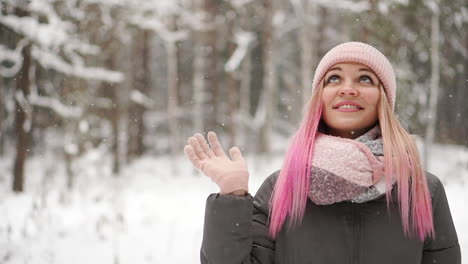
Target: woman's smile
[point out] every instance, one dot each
(348, 106)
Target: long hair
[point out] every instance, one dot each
(289, 196)
(401, 158)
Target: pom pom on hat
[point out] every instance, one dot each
(359, 52)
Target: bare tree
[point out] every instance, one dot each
(173, 87)
(136, 109)
(208, 37)
(232, 87)
(23, 117)
(267, 103)
(307, 13)
(434, 92)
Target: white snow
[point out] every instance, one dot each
(55, 105)
(152, 213)
(47, 40)
(50, 60)
(243, 40)
(13, 57)
(142, 99)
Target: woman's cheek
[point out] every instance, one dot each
(371, 97)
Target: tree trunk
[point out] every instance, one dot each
(308, 43)
(205, 68)
(232, 86)
(173, 88)
(269, 82)
(244, 110)
(111, 91)
(135, 124)
(366, 31)
(3, 116)
(210, 59)
(22, 115)
(198, 87)
(434, 93)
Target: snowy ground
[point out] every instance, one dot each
(151, 214)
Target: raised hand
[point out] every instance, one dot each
(230, 174)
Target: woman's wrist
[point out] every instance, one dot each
(239, 193)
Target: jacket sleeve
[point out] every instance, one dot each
(444, 248)
(236, 228)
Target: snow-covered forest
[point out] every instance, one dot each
(98, 98)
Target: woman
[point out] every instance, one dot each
(351, 188)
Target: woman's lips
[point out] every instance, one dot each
(348, 109)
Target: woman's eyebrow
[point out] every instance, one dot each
(335, 68)
(365, 69)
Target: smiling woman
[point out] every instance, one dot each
(351, 188)
(350, 97)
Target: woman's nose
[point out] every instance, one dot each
(348, 89)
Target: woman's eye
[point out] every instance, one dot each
(333, 78)
(366, 79)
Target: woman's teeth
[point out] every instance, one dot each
(348, 107)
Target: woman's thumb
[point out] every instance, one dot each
(235, 154)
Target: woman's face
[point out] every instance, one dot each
(350, 97)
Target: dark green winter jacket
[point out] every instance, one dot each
(236, 232)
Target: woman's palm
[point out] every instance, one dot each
(213, 162)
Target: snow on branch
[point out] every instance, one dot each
(54, 104)
(243, 41)
(26, 106)
(46, 35)
(141, 99)
(50, 60)
(195, 20)
(55, 34)
(355, 7)
(239, 3)
(153, 24)
(14, 57)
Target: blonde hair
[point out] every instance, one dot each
(401, 158)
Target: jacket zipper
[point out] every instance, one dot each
(356, 235)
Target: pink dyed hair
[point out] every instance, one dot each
(290, 193)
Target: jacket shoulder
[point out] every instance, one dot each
(263, 194)
(434, 184)
(268, 184)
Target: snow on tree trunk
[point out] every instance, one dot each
(113, 114)
(136, 110)
(232, 85)
(434, 93)
(23, 115)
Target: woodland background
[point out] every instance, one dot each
(98, 98)
(139, 77)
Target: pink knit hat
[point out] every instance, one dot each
(360, 53)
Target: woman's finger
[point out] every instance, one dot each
(193, 142)
(235, 153)
(204, 145)
(217, 149)
(190, 153)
